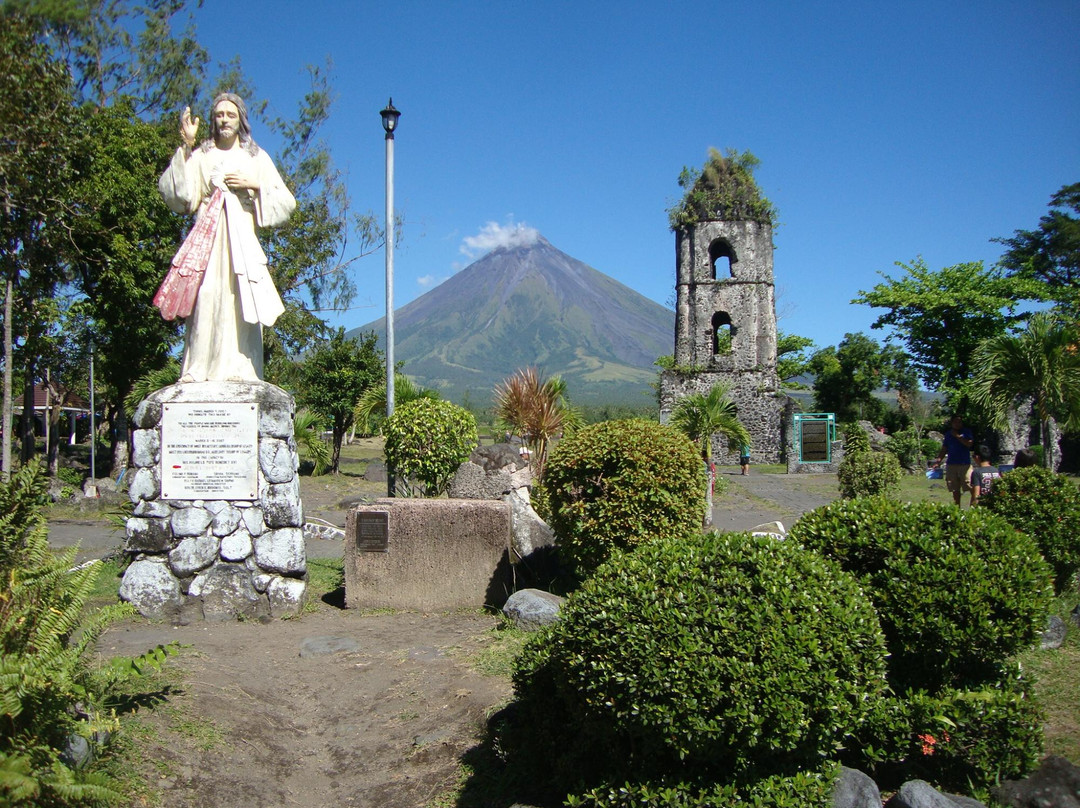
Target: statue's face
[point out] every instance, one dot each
(227, 119)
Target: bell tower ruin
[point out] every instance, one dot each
(725, 328)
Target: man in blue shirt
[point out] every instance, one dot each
(956, 450)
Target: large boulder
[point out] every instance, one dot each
(1056, 783)
(532, 609)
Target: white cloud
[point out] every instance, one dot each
(429, 281)
(494, 235)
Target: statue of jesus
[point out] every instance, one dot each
(219, 280)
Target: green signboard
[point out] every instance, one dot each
(814, 434)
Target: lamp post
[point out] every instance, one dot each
(389, 122)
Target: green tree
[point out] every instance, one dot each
(792, 359)
(846, 377)
(307, 254)
(121, 241)
(1043, 363)
(1050, 254)
(700, 416)
(333, 377)
(942, 316)
(725, 189)
(35, 163)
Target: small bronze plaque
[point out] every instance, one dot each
(373, 531)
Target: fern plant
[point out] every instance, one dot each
(44, 675)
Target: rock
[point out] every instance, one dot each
(145, 447)
(151, 588)
(226, 593)
(375, 471)
(237, 546)
(77, 753)
(277, 460)
(529, 532)
(854, 789)
(1056, 783)
(226, 520)
(1054, 635)
(918, 794)
(324, 646)
(498, 456)
(282, 551)
(190, 521)
(282, 506)
(145, 484)
(147, 535)
(286, 596)
(471, 481)
(532, 609)
(775, 529)
(192, 555)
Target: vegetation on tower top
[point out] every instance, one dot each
(724, 190)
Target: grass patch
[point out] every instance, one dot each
(1057, 681)
(325, 577)
(499, 650)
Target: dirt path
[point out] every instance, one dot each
(338, 708)
(333, 709)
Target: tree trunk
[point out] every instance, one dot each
(710, 473)
(5, 425)
(335, 453)
(26, 455)
(121, 445)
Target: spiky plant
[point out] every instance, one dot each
(536, 410)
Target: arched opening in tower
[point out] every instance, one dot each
(722, 259)
(723, 333)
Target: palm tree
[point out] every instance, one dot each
(373, 401)
(700, 416)
(1041, 363)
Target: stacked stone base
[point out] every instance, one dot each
(217, 559)
(757, 397)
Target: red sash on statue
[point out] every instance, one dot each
(176, 295)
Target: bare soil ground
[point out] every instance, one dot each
(337, 707)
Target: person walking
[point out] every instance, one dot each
(956, 452)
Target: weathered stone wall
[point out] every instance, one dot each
(724, 275)
(725, 268)
(756, 398)
(217, 559)
(440, 554)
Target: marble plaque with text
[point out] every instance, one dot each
(210, 451)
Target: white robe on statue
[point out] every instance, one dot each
(236, 295)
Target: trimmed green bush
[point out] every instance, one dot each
(958, 592)
(615, 484)
(704, 658)
(856, 440)
(907, 447)
(957, 738)
(804, 789)
(869, 474)
(1046, 506)
(427, 440)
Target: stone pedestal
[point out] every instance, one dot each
(205, 555)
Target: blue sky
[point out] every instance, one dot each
(885, 130)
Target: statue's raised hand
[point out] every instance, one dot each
(189, 127)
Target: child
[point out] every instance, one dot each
(744, 459)
(983, 475)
